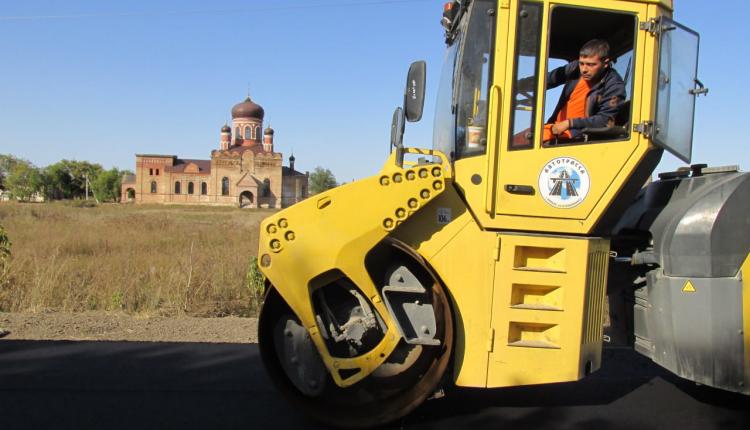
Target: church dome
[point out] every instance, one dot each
(226, 129)
(247, 109)
(268, 130)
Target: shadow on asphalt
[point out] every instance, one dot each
(95, 385)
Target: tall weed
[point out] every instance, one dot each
(255, 283)
(139, 259)
(4, 257)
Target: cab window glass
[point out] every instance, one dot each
(443, 135)
(525, 75)
(599, 108)
(473, 80)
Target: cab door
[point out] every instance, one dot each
(677, 87)
(563, 186)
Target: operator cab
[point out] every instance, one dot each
(494, 101)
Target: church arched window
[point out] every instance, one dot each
(257, 131)
(153, 187)
(191, 188)
(247, 133)
(204, 188)
(266, 188)
(177, 187)
(237, 133)
(225, 186)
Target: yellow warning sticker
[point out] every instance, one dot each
(688, 288)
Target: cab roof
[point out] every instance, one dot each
(669, 4)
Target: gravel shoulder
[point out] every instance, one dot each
(121, 327)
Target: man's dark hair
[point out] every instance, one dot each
(596, 47)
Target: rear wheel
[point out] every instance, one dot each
(407, 377)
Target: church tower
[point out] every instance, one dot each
(268, 140)
(247, 118)
(226, 138)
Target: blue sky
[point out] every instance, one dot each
(100, 81)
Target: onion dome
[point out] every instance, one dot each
(268, 131)
(291, 158)
(247, 109)
(226, 129)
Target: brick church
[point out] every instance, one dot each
(245, 171)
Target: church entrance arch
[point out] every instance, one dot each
(246, 199)
(130, 194)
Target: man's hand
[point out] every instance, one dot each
(560, 127)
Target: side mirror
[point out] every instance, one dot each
(414, 95)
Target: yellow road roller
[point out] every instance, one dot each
(528, 235)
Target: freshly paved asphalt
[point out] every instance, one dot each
(113, 385)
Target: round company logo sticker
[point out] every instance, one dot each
(564, 182)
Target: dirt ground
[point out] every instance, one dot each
(122, 327)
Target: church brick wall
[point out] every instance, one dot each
(247, 164)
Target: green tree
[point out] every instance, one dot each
(57, 182)
(66, 179)
(81, 170)
(320, 180)
(7, 162)
(24, 181)
(107, 185)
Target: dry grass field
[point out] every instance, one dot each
(154, 260)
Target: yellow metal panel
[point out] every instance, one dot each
(463, 256)
(547, 309)
(504, 48)
(668, 4)
(746, 316)
(541, 89)
(332, 232)
(470, 174)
